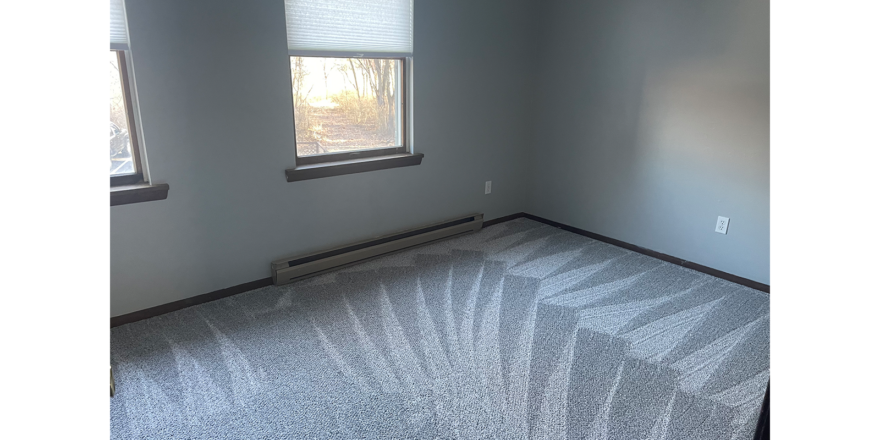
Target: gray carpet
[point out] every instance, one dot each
(519, 331)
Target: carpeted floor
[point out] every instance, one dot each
(519, 331)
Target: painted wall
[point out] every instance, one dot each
(640, 120)
(653, 120)
(214, 90)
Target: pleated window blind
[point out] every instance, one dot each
(118, 31)
(350, 27)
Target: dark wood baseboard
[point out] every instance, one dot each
(241, 288)
(188, 302)
(223, 293)
(506, 218)
(651, 253)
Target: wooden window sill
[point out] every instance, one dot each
(328, 169)
(137, 193)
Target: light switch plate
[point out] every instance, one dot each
(721, 226)
(488, 186)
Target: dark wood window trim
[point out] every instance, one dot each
(137, 193)
(328, 169)
(345, 158)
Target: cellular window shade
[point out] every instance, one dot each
(349, 27)
(118, 31)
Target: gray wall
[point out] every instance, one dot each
(653, 119)
(640, 120)
(214, 89)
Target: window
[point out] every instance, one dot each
(343, 105)
(350, 64)
(124, 153)
(127, 179)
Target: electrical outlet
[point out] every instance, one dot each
(721, 226)
(488, 186)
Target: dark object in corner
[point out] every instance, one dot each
(763, 430)
(112, 383)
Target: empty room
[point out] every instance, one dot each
(400, 219)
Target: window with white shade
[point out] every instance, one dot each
(350, 64)
(125, 167)
(353, 27)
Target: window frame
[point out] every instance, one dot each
(138, 175)
(368, 153)
(133, 187)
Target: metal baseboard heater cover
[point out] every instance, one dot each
(286, 270)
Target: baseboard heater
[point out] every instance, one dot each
(286, 270)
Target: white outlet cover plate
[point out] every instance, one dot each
(721, 225)
(488, 186)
